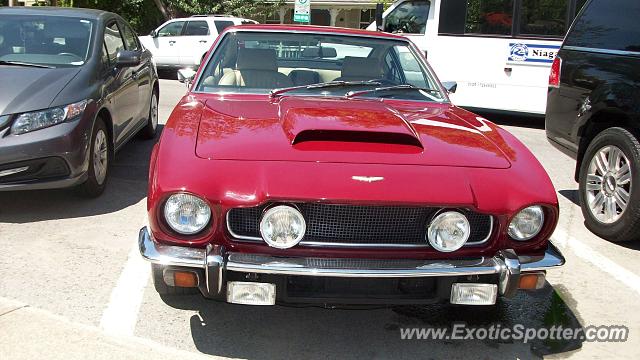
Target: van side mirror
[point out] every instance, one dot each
(450, 86)
(186, 76)
(379, 19)
(153, 34)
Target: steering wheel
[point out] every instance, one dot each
(69, 54)
(384, 82)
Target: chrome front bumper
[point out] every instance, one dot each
(215, 261)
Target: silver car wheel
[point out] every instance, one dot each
(100, 156)
(608, 185)
(154, 111)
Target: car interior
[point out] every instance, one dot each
(50, 42)
(253, 63)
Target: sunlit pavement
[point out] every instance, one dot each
(74, 260)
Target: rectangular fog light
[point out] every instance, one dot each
(251, 293)
(474, 294)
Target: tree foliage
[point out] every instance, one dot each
(145, 15)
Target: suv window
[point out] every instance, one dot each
(608, 25)
(130, 38)
(493, 17)
(409, 18)
(544, 17)
(171, 29)
(113, 41)
(196, 28)
(223, 24)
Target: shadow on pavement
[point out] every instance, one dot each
(127, 185)
(274, 332)
(571, 195)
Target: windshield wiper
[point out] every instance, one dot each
(20, 63)
(339, 83)
(401, 87)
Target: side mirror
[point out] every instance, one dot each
(379, 20)
(153, 34)
(450, 86)
(128, 58)
(186, 76)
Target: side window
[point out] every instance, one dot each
(104, 58)
(172, 29)
(196, 28)
(409, 17)
(605, 26)
(113, 41)
(491, 17)
(222, 24)
(544, 17)
(130, 38)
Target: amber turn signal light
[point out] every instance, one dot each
(532, 281)
(185, 279)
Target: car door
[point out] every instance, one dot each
(167, 44)
(141, 75)
(122, 90)
(195, 42)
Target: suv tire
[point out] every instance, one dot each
(616, 187)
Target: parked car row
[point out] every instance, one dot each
(315, 165)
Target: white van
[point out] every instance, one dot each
(498, 51)
(183, 42)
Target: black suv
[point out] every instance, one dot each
(593, 114)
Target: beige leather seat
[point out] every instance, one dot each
(360, 69)
(256, 68)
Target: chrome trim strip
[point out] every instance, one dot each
(13, 171)
(602, 51)
(351, 245)
(551, 259)
(169, 255)
(506, 264)
(250, 263)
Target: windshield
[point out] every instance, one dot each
(46, 40)
(255, 62)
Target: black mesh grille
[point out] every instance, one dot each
(358, 225)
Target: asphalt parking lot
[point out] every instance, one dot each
(77, 260)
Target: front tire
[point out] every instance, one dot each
(149, 131)
(610, 185)
(99, 161)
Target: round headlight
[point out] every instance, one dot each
(449, 231)
(282, 227)
(186, 214)
(527, 223)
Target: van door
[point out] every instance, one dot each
(167, 44)
(195, 42)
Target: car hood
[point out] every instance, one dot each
(27, 88)
(336, 130)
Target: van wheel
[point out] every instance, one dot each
(149, 131)
(162, 288)
(610, 185)
(99, 161)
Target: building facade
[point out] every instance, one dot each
(357, 14)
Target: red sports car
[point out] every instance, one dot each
(317, 165)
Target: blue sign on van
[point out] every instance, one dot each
(532, 53)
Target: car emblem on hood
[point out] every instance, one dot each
(368, 179)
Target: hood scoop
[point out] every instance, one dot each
(309, 125)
